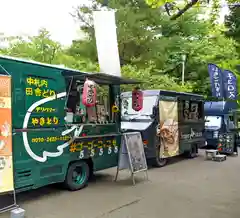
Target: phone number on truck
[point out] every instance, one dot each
(50, 139)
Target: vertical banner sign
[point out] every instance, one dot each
(106, 40)
(216, 80)
(230, 85)
(168, 129)
(7, 193)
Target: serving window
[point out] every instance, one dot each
(77, 112)
(191, 110)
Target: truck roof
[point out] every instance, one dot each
(28, 61)
(166, 92)
(101, 78)
(214, 108)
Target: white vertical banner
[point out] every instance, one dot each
(106, 40)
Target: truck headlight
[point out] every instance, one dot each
(215, 134)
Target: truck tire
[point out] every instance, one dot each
(77, 176)
(159, 162)
(193, 151)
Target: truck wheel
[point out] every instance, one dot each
(77, 176)
(193, 152)
(159, 162)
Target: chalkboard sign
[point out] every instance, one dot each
(132, 155)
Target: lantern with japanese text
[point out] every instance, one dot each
(89, 96)
(137, 99)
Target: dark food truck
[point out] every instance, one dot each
(233, 129)
(171, 123)
(219, 125)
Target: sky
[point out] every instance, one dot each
(224, 10)
(20, 17)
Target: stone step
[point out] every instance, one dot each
(211, 153)
(18, 213)
(219, 157)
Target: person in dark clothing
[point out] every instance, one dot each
(73, 98)
(235, 148)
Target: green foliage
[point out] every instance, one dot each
(40, 48)
(147, 36)
(150, 45)
(150, 81)
(43, 49)
(157, 3)
(137, 24)
(176, 8)
(232, 22)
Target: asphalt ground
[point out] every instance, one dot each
(185, 188)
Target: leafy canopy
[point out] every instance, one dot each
(150, 45)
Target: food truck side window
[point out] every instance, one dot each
(186, 110)
(103, 104)
(79, 113)
(192, 110)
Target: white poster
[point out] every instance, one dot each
(106, 40)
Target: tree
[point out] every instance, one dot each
(232, 22)
(176, 8)
(40, 48)
(147, 36)
(150, 81)
(136, 22)
(43, 49)
(150, 46)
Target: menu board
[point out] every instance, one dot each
(132, 155)
(136, 152)
(7, 195)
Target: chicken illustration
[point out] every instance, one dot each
(2, 144)
(4, 133)
(5, 130)
(2, 163)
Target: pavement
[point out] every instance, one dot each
(185, 188)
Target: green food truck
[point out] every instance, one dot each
(171, 123)
(55, 137)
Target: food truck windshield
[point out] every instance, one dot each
(213, 122)
(148, 103)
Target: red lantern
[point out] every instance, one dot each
(89, 96)
(137, 99)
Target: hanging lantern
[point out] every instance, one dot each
(137, 99)
(89, 96)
